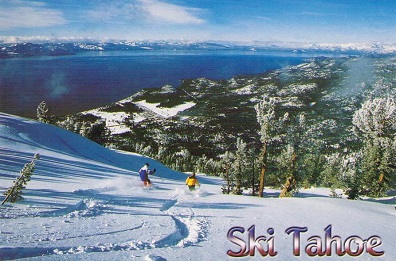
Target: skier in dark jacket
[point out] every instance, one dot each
(144, 172)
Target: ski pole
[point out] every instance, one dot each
(160, 178)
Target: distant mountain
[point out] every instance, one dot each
(56, 49)
(30, 49)
(347, 48)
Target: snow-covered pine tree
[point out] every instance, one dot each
(226, 161)
(240, 167)
(200, 163)
(265, 111)
(252, 159)
(96, 131)
(375, 124)
(332, 172)
(294, 132)
(42, 112)
(376, 119)
(185, 160)
(212, 166)
(14, 193)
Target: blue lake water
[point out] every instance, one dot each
(75, 83)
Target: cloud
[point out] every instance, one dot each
(43, 39)
(114, 12)
(23, 14)
(263, 18)
(311, 14)
(149, 11)
(161, 11)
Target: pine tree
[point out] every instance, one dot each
(376, 119)
(227, 160)
(240, 167)
(42, 112)
(265, 111)
(14, 193)
(251, 168)
(293, 129)
(375, 124)
(331, 174)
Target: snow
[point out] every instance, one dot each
(86, 202)
(297, 89)
(246, 90)
(164, 111)
(114, 120)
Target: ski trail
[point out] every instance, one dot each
(190, 229)
(168, 204)
(9, 253)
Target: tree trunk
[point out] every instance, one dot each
(290, 181)
(238, 181)
(8, 195)
(253, 180)
(293, 161)
(263, 170)
(288, 187)
(226, 169)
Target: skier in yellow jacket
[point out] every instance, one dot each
(192, 181)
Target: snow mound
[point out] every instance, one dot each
(66, 153)
(84, 208)
(154, 258)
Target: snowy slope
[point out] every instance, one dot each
(85, 202)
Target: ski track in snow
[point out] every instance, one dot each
(189, 230)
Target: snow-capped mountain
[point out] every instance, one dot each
(27, 49)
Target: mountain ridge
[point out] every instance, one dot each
(32, 49)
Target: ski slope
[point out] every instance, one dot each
(86, 202)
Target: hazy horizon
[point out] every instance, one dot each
(305, 21)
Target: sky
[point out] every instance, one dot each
(309, 21)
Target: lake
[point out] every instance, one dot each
(80, 82)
